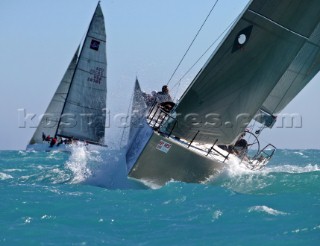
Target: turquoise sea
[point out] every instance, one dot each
(84, 198)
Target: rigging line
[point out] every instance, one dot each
(193, 41)
(214, 42)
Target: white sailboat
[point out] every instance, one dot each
(77, 109)
(270, 53)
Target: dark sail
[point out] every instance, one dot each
(272, 48)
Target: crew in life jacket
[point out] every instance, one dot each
(241, 147)
(53, 142)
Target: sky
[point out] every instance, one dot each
(145, 39)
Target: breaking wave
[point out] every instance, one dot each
(100, 167)
(267, 210)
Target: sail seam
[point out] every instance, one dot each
(89, 59)
(102, 40)
(80, 106)
(279, 25)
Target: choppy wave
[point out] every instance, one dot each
(292, 169)
(303, 173)
(45, 191)
(267, 210)
(107, 168)
(4, 176)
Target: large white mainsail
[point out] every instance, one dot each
(49, 122)
(83, 116)
(272, 43)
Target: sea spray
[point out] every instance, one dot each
(103, 167)
(300, 176)
(78, 162)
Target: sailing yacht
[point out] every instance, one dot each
(76, 111)
(267, 57)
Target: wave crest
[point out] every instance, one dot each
(267, 210)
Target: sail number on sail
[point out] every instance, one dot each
(96, 75)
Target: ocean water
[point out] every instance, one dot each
(84, 198)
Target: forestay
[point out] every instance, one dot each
(272, 48)
(83, 115)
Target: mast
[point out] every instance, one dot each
(55, 135)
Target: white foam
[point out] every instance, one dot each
(4, 176)
(292, 169)
(104, 167)
(298, 153)
(152, 185)
(267, 210)
(236, 168)
(216, 215)
(77, 163)
(13, 170)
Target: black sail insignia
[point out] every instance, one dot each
(94, 44)
(242, 38)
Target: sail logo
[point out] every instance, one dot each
(163, 146)
(94, 44)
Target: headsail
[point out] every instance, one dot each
(139, 131)
(83, 115)
(138, 113)
(266, 48)
(50, 119)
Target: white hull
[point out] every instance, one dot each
(158, 159)
(45, 147)
(179, 163)
(152, 161)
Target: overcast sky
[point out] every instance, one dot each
(145, 38)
